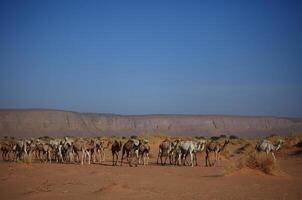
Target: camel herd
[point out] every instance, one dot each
(136, 152)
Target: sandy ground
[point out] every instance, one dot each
(73, 181)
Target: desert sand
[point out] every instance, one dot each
(95, 181)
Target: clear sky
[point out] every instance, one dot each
(143, 57)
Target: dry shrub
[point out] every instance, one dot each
(259, 161)
(229, 168)
(294, 139)
(299, 144)
(245, 148)
(226, 154)
(27, 159)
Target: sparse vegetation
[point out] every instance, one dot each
(199, 137)
(233, 137)
(258, 161)
(214, 137)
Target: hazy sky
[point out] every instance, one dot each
(141, 57)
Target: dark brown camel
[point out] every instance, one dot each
(115, 149)
(6, 148)
(215, 147)
(130, 148)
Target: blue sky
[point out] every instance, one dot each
(144, 57)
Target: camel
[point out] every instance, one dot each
(268, 147)
(19, 150)
(144, 150)
(166, 150)
(190, 148)
(217, 148)
(89, 148)
(130, 148)
(85, 147)
(75, 148)
(44, 151)
(58, 149)
(68, 152)
(6, 149)
(115, 149)
(100, 150)
(47, 150)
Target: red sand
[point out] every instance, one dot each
(73, 181)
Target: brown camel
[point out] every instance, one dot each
(130, 148)
(99, 150)
(6, 149)
(115, 149)
(215, 147)
(144, 150)
(79, 149)
(165, 150)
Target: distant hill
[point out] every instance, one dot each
(41, 122)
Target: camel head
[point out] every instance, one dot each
(279, 144)
(202, 144)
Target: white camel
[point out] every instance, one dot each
(190, 148)
(268, 147)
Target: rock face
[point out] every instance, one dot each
(40, 122)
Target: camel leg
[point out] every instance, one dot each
(93, 156)
(41, 156)
(274, 156)
(195, 159)
(184, 158)
(82, 159)
(158, 157)
(61, 156)
(178, 161)
(122, 157)
(116, 159)
(49, 156)
(216, 157)
(145, 159)
(103, 155)
(140, 159)
(88, 153)
(99, 156)
(192, 162)
(70, 157)
(171, 158)
(165, 160)
(207, 158)
(113, 159)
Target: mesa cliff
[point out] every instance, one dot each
(42, 122)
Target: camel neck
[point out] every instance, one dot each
(224, 145)
(277, 146)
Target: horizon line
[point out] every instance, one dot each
(150, 114)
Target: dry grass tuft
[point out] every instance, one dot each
(27, 159)
(226, 154)
(259, 161)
